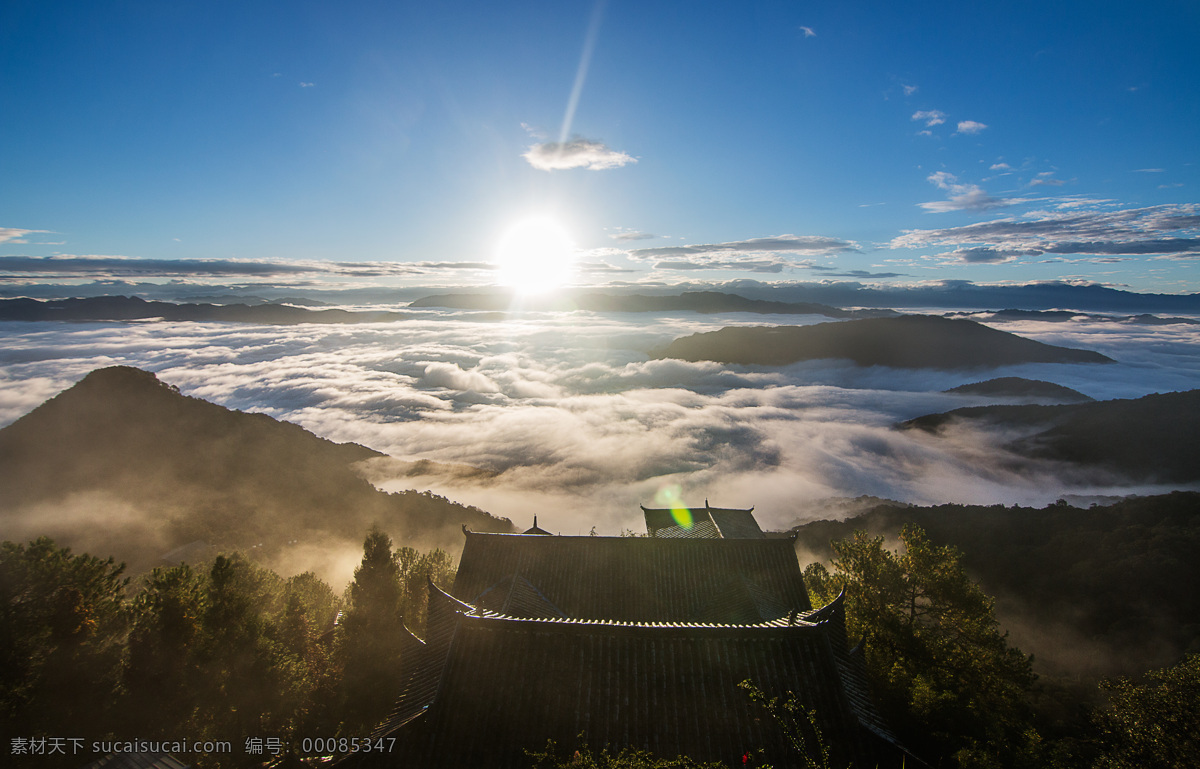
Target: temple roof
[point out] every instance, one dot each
(535, 529)
(632, 579)
(706, 523)
(506, 684)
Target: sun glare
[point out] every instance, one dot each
(535, 255)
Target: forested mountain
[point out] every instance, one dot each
(122, 463)
(1100, 591)
(1019, 387)
(908, 341)
(1153, 438)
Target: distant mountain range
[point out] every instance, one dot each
(1019, 387)
(1155, 438)
(133, 308)
(956, 295)
(690, 301)
(122, 463)
(909, 341)
(963, 294)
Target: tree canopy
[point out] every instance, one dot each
(945, 675)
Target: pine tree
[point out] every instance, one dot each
(945, 674)
(371, 632)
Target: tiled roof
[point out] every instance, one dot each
(706, 523)
(507, 684)
(632, 578)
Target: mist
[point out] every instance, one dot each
(564, 415)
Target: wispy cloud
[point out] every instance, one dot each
(970, 127)
(930, 117)
(630, 235)
(1046, 178)
(798, 244)
(16, 235)
(963, 197)
(1149, 170)
(808, 32)
(1168, 231)
(764, 255)
(576, 153)
(307, 85)
(24, 268)
(909, 90)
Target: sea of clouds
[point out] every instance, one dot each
(573, 420)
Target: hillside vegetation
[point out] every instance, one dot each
(122, 463)
(1098, 591)
(1019, 387)
(1153, 438)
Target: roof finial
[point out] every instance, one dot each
(535, 521)
(706, 503)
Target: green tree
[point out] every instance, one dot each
(416, 571)
(62, 634)
(372, 629)
(161, 672)
(245, 672)
(945, 675)
(1155, 725)
(304, 634)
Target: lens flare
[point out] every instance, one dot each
(669, 496)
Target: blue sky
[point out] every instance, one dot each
(673, 141)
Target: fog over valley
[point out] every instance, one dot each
(566, 415)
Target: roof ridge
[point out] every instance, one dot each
(787, 621)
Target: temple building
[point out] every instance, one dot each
(628, 641)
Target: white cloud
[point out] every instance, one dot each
(1170, 231)
(999, 167)
(970, 127)
(626, 235)
(103, 267)
(577, 153)
(930, 117)
(16, 235)
(1046, 178)
(307, 85)
(453, 377)
(909, 90)
(808, 32)
(763, 255)
(578, 422)
(801, 244)
(963, 197)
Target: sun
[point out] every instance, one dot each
(535, 255)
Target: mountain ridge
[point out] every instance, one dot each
(1152, 438)
(688, 301)
(121, 456)
(907, 341)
